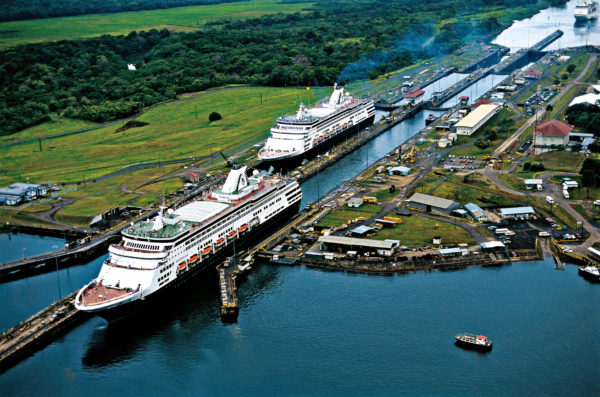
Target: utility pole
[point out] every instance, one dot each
(196, 111)
(40, 142)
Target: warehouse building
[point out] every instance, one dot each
(520, 213)
(21, 192)
(477, 213)
(477, 118)
(355, 202)
(343, 244)
(429, 203)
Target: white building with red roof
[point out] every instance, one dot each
(551, 134)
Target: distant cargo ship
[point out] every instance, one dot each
(478, 342)
(183, 244)
(312, 129)
(586, 10)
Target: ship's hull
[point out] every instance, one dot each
(473, 346)
(293, 160)
(595, 278)
(201, 271)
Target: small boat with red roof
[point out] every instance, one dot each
(471, 341)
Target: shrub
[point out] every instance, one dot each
(214, 116)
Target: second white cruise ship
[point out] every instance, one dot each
(316, 128)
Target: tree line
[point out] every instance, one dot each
(13, 10)
(89, 79)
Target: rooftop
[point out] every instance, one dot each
(478, 114)
(359, 242)
(414, 93)
(516, 211)
(431, 200)
(554, 128)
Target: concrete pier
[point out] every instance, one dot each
(38, 330)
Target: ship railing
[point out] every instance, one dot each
(105, 301)
(109, 263)
(124, 248)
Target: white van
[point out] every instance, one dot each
(566, 193)
(550, 200)
(544, 234)
(540, 188)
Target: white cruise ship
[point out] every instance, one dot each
(180, 244)
(586, 10)
(317, 127)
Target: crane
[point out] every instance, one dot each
(230, 163)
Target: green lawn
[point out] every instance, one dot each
(173, 132)
(472, 188)
(384, 194)
(145, 200)
(57, 125)
(513, 182)
(427, 230)
(163, 187)
(557, 161)
(82, 211)
(341, 215)
(175, 19)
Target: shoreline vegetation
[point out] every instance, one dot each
(316, 44)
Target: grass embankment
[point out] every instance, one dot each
(555, 161)
(341, 215)
(57, 125)
(175, 19)
(513, 182)
(475, 188)
(173, 131)
(96, 197)
(415, 231)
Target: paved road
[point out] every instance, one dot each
(551, 189)
(541, 113)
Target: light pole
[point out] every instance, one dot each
(24, 253)
(57, 276)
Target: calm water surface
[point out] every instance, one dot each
(307, 332)
(302, 331)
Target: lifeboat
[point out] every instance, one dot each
(181, 265)
(231, 233)
(327, 135)
(315, 141)
(194, 258)
(243, 228)
(206, 250)
(320, 138)
(220, 241)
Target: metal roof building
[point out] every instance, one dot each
(477, 213)
(355, 202)
(517, 213)
(383, 247)
(478, 117)
(429, 203)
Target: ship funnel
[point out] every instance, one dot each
(236, 180)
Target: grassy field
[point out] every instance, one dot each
(472, 188)
(341, 215)
(57, 125)
(384, 194)
(513, 182)
(428, 229)
(175, 19)
(81, 212)
(557, 161)
(173, 132)
(163, 187)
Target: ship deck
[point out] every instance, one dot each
(98, 294)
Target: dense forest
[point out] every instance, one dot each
(89, 79)
(12, 10)
(585, 116)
